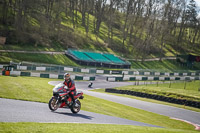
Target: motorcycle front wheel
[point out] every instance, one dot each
(53, 106)
(77, 107)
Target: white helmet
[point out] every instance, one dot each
(66, 75)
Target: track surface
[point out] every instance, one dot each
(24, 111)
(166, 110)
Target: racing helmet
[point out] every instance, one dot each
(66, 75)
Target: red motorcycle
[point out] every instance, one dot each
(58, 100)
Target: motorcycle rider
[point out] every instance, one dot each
(71, 86)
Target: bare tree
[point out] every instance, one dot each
(99, 12)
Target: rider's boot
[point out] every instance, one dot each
(66, 102)
(72, 102)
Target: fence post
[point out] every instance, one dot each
(169, 84)
(50, 68)
(199, 86)
(31, 67)
(59, 69)
(185, 85)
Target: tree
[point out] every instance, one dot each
(182, 25)
(192, 22)
(99, 12)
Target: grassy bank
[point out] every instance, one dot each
(181, 90)
(37, 89)
(39, 58)
(53, 47)
(176, 90)
(84, 128)
(164, 65)
(150, 100)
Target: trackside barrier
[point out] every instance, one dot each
(84, 70)
(112, 79)
(44, 75)
(61, 69)
(1, 66)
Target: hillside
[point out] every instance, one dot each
(98, 26)
(123, 28)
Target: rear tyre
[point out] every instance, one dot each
(76, 107)
(53, 106)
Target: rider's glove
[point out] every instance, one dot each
(66, 88)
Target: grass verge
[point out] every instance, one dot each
(39, 58)
(149, 100)
(84, 128)
(38, 89)
(181, 90)
(163, 66)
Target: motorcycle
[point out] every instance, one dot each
(58, 100)
(90, 85)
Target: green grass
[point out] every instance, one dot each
(38, 89)
(83, 128)
(176, 90)
(149, 100)
(55, 46)
(162, 66)
(40, 58)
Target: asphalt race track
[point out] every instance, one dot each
(25, 111)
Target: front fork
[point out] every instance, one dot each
(57, 100)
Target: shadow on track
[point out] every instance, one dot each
(75, 115)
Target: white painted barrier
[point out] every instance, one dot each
(15, 73)
(146, 73)
(111, 79)
(125, 72)
(22, 67)
(85, 70)
(40, 68)
(35, 74)
(86, 78)
(68, 69)
(53, 76)
(1, 66)
(100, 71)
(157, 73)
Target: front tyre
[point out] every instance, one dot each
(53, 106)
(77, 107)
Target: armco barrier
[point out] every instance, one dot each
(151, 78)
(157, 97)
(44, 75)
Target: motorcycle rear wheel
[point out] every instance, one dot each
(52, 104)
(77, 107)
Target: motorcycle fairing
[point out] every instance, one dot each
(78, 95)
